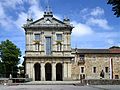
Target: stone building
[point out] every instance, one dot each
(49, 56)
(91, 62)
(48, 48)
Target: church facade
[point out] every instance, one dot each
(49, 56)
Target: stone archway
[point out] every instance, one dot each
(59, 72)
(48, 72)
(37, 69)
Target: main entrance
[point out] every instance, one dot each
(37, 72)
(59, 72)
(48, 72)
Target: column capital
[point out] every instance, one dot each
(53, 62)
(42, 62)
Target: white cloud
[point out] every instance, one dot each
(4, 19)
(103, 23)
(21, 19)
(11, 3)
(2, 14)
(110, 42)
(81, 29)
(97, 11)
(95, 17)
(35, 11)
(84, 10)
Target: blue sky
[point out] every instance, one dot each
(94, 22)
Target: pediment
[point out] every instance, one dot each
(48, 21)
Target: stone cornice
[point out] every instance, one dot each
(49, 57)
(48, 26)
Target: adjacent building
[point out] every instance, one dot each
(49, 56)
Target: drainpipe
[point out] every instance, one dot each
(111, 68)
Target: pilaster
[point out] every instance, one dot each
(64, 71)
(42, 71)
(69, 70)
(53, 71)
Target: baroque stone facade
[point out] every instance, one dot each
(49, 56)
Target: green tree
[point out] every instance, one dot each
(115, 6)
(1, 69)
(9, 57)
(114, 47)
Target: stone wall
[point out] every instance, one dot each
(101, 82)
(100, 61)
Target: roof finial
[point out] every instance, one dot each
(48, 7)
(76, 47)
(48, 11)
(29, 17)
(66, 20)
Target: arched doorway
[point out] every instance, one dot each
(37, 68)
(59, 72)
(48, 72)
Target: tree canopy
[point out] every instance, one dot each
(114, 47)
(115, 6)
(9, 57)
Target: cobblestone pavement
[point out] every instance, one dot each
(60, 87)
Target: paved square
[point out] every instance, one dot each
(60, 87)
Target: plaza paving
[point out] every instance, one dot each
(60, 87)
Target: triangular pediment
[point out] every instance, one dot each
(47, 21)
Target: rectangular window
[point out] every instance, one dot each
(116, 77)
(82, 76)
(94, 69)
(59, 37)
(82, 69)
(94, 57)
(59, 47)
(36, 47)
(82, 57)
(48, 45)
(37, 37)
(106, 69)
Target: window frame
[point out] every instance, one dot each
(94, 69)
(58, 38)
(38, 37)
(82, 57)
(82, 69)
(106, 69)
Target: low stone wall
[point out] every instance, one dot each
(14, 80)
(101, 82)
(3, 80)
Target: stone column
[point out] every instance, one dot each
(42, 71)
(64, 71)
(33, 72)
(28, 69)
(54, 41)
(53, 71)
(69, 70)
(42, 41)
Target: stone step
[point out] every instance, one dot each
(47, 83)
